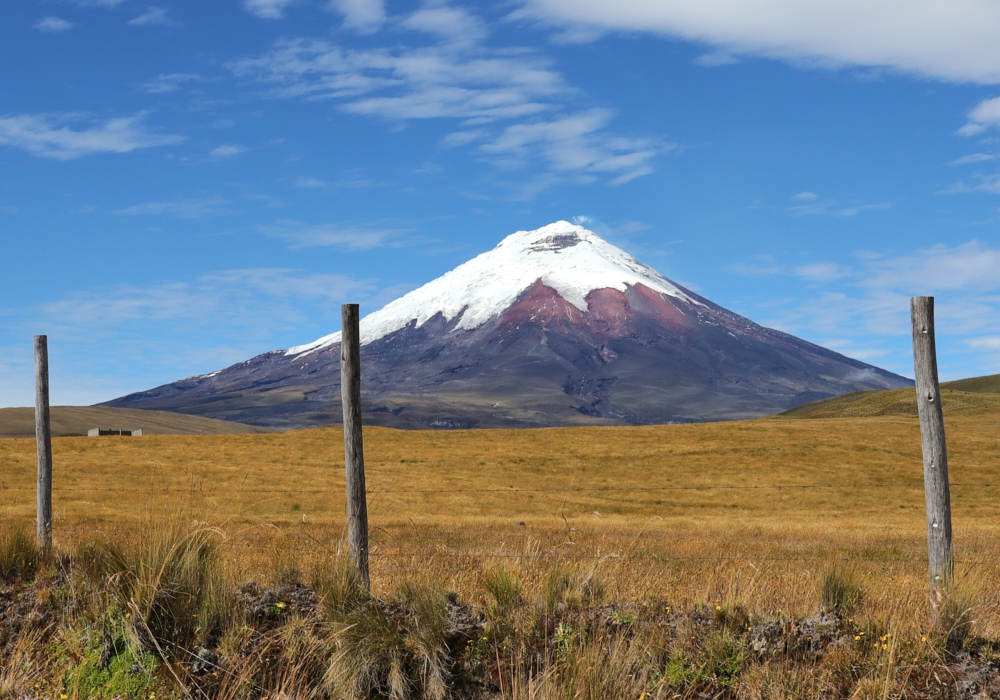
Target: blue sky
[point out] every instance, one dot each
(186, 184)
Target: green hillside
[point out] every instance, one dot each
(975, 395)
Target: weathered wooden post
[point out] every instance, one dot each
(936, 491)
(354, 452)
(43, 444)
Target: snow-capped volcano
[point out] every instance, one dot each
(552, 327)
(569, 259)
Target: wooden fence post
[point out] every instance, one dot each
(936, 492)
(43, 444)
(354, 452)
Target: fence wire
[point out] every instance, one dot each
(514, 490)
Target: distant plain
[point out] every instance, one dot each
(77, 420)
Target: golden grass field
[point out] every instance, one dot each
(688, 512)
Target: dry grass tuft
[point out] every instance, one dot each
(18, 555)
(840, 590)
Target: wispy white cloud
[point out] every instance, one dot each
(267, 9)
(52, 25)
(453, 24)
(955, 41)
(715, 59)
(181, 209)
(513, 107)
(363, 16)
(153, 16)
(986, 342)
(98, 3)
(423, 83)
(985, 115)
(50, 136)
(463, 138)
(759, 268)
(981, 183)
(974, 158)
(576, 144)
(850, 347)
(168, 82)
(300, 235)
(821, 272)
(313, 183)
(225, 297)
(227, 150)
(813, 205)
(868, 303)
(107, 341)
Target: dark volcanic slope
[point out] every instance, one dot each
(637, 356)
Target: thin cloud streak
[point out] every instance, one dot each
(168, 82)
(266, 9)
(363, 16)
(52, 25)
(48, 136)
(813, 205)
(300, 235)
(227, 151)
(576, 144)
(183, 209)
(153, 16)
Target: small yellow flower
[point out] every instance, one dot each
(923, 639)
(857, 639)
(717, 607)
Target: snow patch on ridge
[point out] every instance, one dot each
(568, 258)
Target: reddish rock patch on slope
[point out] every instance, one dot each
(542, 305)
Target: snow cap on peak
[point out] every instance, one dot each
(569, 258)
(552, 238)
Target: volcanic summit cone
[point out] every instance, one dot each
(552, 327)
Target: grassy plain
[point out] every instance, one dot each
(77, 420)
(690, 513)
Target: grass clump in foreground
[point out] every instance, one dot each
(153, 613)
(18, 555)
